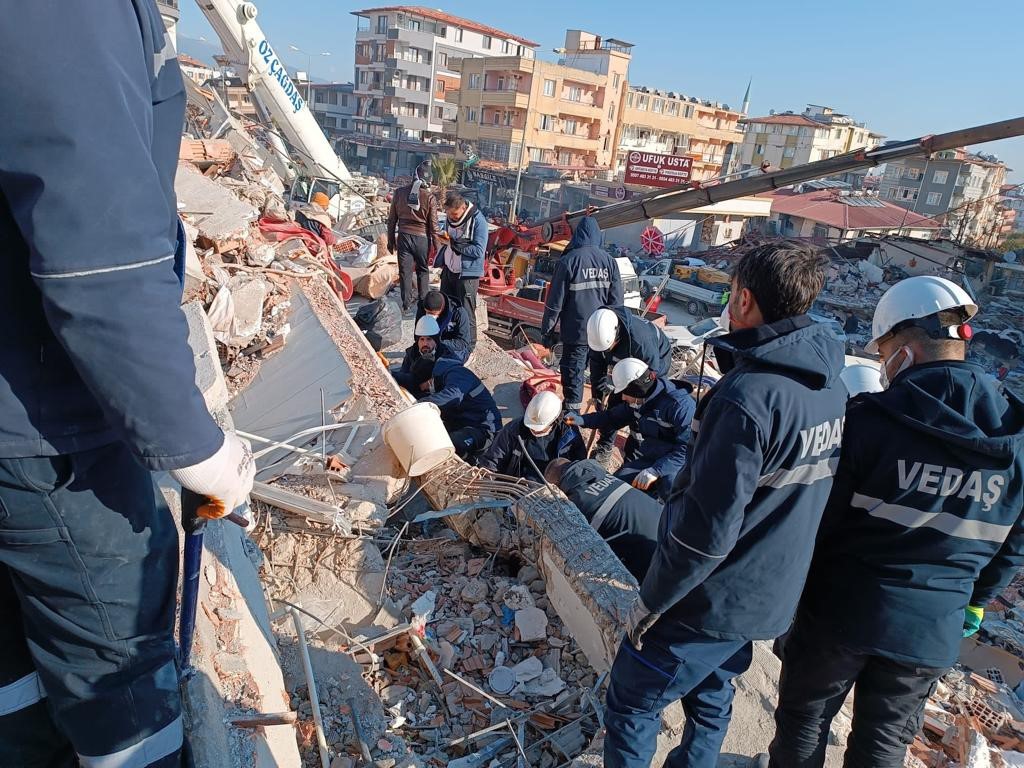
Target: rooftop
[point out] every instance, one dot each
(188, 61)
(828, 206)
(682, 97)
(787, 119)
(448, 18)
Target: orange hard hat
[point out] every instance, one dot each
(321, 199)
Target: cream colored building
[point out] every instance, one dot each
(516, 110)
(787, 139)
(670, 123)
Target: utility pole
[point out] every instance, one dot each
(522, 147)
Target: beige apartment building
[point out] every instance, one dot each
(516, 110)
(671, 123)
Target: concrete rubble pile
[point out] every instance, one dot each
(976, 715)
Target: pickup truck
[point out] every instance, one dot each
(699, 301)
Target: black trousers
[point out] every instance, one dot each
(464, 290)
(413, 269)
(818, 674)
(573, 366)
(88, 576)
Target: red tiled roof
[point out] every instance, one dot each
(784, 120)
(188, 61)
(824, 207)
(448, 18)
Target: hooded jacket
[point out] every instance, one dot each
(738, 530)
(505, 456)
(925, 514)
(95, 346)
(463, 399)
(404, 375)
(455, 331)
(659, 430)
(637, 338)
(585, 279)
(623, 516)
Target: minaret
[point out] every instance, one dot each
(745, 109)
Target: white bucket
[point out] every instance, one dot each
(418, 438)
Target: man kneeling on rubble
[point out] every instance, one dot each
(467, 408)
(451, 317)
(623, 516)
(658, 415)
(922, 530)
(526, 445)
(736, 536)
(427, 341)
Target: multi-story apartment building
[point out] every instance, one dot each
(195, 70)
(170, 13)
(516, 110)
(334, 107)
(958, 187)
(786, 139)
(671, 123)
(1013, 200)
(404, 67)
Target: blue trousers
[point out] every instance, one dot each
(573, 365)
(88, 576)
(674, 663)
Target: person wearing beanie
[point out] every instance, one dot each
(456, 331)
(315, 218)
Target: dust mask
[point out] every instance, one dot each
(725, 320)
(883, 372)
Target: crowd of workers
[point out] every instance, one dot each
(870, 532)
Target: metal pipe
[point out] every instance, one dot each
(314, 699)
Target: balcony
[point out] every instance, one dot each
(579, 109)
(575, 141)
(407, 94)
(501, 133)
(413, 122)
(415, 38)
(410, 67)
(504, 98)
(369, 34)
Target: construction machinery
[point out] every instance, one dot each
(315, 165)
(511, 244)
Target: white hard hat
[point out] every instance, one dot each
(602, 328)
(427, 326)
(860, 377)
(543, 410)
(626, 372)
(914, 298)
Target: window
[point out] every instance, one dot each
(789, 152)
(536, 155)
(908, 193)
(470, 115)
(549, 87)
(615, 80)
(319, 98)
(939, 177)
(934, 198)
(775, 129)
(507, 118)
(569, 127)
(759, 149)
(546, 123)
(673, 108)
(344, 100)
(474, 82)
(892, 193)
(442, 59)
(820, 231)
(575, 93)
(659, 104)
(506, 46)
(629, 99)
(487, 42)
(611, 111)
(382, 25)
(893, 171)
(332, 97)
(501, 83)
(564, 158)
(496, 118)
(913, 173)
(439, 83)
(364, 76)
(688, 111)
(439, 113)
(458, 34)
(838, 133)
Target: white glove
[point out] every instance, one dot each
(639, 621)
(644, 479)
(225, 478)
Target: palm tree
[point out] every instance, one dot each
(446, 172)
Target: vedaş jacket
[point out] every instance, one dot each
(463, 399)
(506, 457)
(638, 338)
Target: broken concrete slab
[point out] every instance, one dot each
(220, 217)
(531, 625)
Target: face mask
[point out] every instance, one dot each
(883, 373)
(541, 432)
(725, 320)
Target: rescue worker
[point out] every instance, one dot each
(412, 231)
(467, 408)
(658, 414)
(585, 279)
(922, 530)
(315, 218)
(613, 334)
(426, 341)
(97, 389)
(463, 254)
(451, 316)
(623, 516)
(525, 446)
(734, 544)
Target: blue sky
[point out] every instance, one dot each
(904, 67)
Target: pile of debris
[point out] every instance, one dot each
(976, 715)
